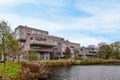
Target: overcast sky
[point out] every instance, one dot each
(83, 21)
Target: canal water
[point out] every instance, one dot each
(85, 73)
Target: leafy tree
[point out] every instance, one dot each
(76, 56)
(116, 53)
(14, 48)
(32, 56)
(9, 46)
(67, 53)
(116, 50)
(4, 32)
(105, 52)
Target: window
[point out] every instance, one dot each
(71, 46)
(64, 45)
(23, 33)
(33, 32)
(39, 32)
(58, 53)
(35, 47)
(40, 39)
(54, 41)
(24, 57)
(59, 43)
(22, 43)
(31, 38)
(17, 33)
(44, 33)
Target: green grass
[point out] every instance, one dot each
(10, 70)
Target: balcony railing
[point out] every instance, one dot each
(41, 50)
(43, 43)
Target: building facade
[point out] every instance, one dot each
(42, 44)
(90, 51)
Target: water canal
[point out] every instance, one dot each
(86, 73)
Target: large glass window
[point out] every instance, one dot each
(17, 33)
(44, 33)
(40, 39)
(23, 33)
(54, 41)
(39, 32)
(33, 32)
(35, 47)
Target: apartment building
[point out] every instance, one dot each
(90, 51)
(101, 44)
(44, 45)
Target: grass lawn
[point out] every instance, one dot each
(10, 70)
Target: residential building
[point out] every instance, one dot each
(90, 51)
(101, 44)
(115, 45)
(41, 43)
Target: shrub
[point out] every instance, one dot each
(76, 56)
(32, 71)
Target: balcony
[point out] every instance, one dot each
(41, 50)
(42, 43)
(21, 39)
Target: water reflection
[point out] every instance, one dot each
(86, 73)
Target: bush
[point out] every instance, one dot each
(76, 56)
(32, 71)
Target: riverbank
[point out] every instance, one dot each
(12, 69)
(56, 63)
(96, 61)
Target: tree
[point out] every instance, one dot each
(116, 53)
(4, 32)
(116, 50)
(14, 48)
(9, 46)
(32, 56)
(76, 54)
(105, 52)
(67, 53)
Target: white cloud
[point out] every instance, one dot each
(15, 20)
(57, 3)
(104, 20)
(8, 3)
(86, 40)
(107, 22)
